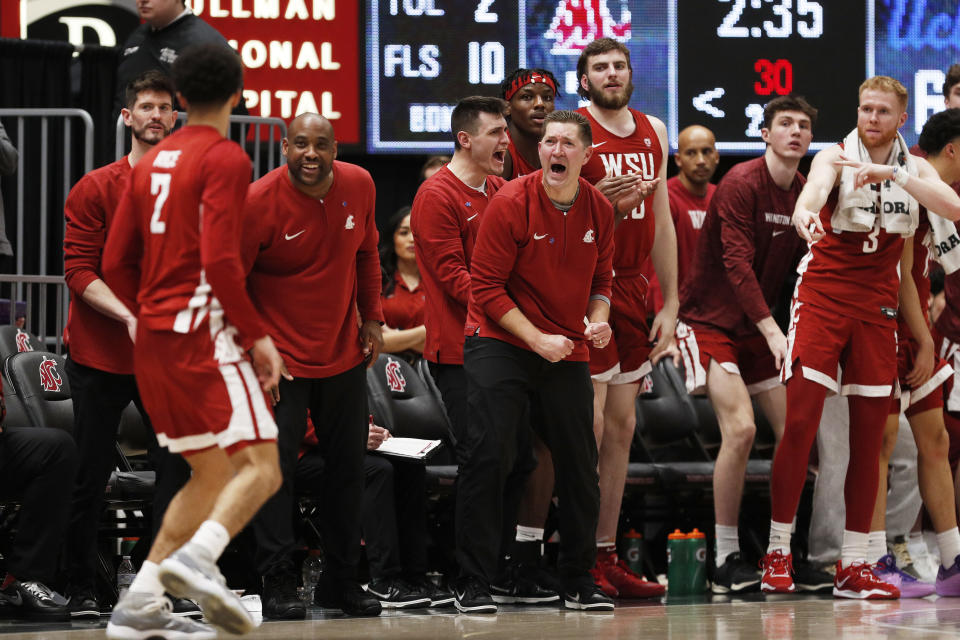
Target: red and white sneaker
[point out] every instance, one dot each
(859, 582)
(627, 582)
(777, 573)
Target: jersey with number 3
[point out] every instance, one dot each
(613, 155)
(175, 244)
(855, 274)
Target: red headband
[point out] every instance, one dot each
(530, 78)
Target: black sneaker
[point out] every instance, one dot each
(440, 595)
(34, 600)
(736, 576)
(585, 595)
(473, 596)
(280, 599)
(397, 593)
(520, 584)
(83, 605)
(349, 597)
(810, 579)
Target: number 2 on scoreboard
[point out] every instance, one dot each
(483, 13)
(160, 187)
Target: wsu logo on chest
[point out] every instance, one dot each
(395, 379)
(23, 341)
(617, 164)
(50, 378)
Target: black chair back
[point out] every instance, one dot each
(39, 379)
(666, 419)
(409, 407)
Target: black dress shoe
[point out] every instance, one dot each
(280, 599)
(34, 601)
(83, 605)
(349, 597)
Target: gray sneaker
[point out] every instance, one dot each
(139, 615)
(189, 572)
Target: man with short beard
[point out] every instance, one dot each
(310, 247)
(859, 203)
(629, 149)
(100, 367)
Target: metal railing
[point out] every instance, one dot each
(32, 311)
(42, 182)
(264, 150)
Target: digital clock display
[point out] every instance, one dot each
(733, 56)
(709, 62)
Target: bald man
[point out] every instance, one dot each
(690, 192)
(310, 247)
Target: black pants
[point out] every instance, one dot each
(37, 467)
(338, 408)
(99, 399)
(502, 379)
(395, 516)
(452, 383)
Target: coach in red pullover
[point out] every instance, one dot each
(100, 367)
(543, 262)
(445, 217)
(310, 244)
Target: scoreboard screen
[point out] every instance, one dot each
(709, 62)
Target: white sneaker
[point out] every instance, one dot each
(189, 572)
(139, 615)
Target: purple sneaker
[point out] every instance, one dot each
(886, 569)
(948, 580)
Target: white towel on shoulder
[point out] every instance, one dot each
(943, 241)
(856, 209)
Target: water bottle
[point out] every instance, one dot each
(312, 570)
(632, 550)
(125, 575)
(697, 548)
(677, 563)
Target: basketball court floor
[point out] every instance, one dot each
(707, 618)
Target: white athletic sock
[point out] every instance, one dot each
(728, 541)
(877, 546)
(949, 543)
(855, 547)
(147, 579)
(529, 534)
(780, 537)
(213, 537)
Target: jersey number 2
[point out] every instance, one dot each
(160, 187)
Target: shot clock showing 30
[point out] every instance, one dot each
(732, 56)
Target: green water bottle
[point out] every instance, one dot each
(697, 548)
(678, 563)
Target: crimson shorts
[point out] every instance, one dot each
(627, 358)
(950, 351)
(200, 391)
(927, 396)
(821, 341)
(748, 357)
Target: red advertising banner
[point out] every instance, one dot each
(300, 55)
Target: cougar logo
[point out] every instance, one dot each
(395, 379)
(349, 223)
(50, 378)
(23, 341)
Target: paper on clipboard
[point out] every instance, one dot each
(414, 448)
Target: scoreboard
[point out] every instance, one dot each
(709, 62)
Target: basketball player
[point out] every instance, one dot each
(860, 201)
(174, 249)
(542, 264)
(629, 148)
(530, 94)
(729, 340)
